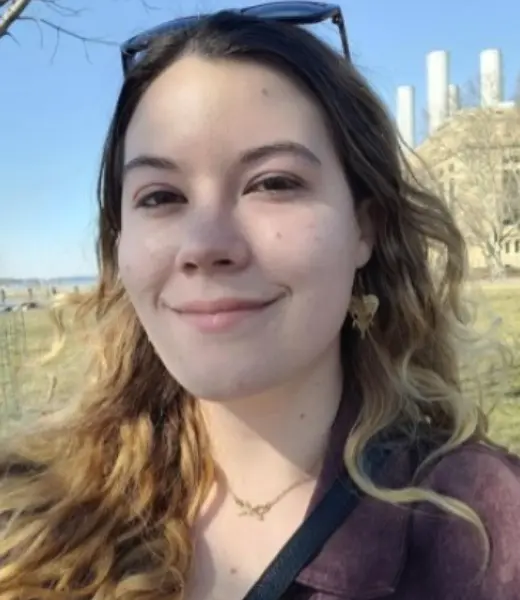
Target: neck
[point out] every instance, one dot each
(263, 443)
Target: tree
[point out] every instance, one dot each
(475, 159)
(48, 14)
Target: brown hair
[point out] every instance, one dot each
(100, 502)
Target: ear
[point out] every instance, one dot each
(366, 229)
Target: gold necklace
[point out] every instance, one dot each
(259, 511)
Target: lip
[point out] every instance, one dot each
(221, 315)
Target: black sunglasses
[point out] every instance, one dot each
(292, 12)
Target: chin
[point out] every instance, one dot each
(224, 385)
(220, 391)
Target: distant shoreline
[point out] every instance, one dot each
(8, 282)
(34, 294)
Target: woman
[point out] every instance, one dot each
(266, 314)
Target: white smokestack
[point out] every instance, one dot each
(453, 99)
(437, 69)
(406, 114)
(490, 77)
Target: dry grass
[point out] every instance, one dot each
(64, 376)
(501, 382)
(40, 386)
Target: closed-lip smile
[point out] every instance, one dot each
(211, 307)
(213, 316)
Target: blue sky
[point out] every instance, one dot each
(54, 110)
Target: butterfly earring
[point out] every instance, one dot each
(363, 309)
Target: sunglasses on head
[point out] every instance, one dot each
(291, 12)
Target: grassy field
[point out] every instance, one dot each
(26, 387)
(499, 304)
(26, 384)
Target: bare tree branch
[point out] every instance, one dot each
(149, 7)
(10, 35)
(59, 29)
(12, 11)
(11, 14)
(475, 158)
(58, 8)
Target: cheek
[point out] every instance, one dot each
(131, 267)
(320, 270)
(142, 261)
(316, 258)
(314, 249)
(331, 272)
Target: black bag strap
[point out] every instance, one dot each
(305, 544)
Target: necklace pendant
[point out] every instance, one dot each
(248, 510)
(259, 513)
(261, 510)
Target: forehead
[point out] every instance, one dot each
(232, 104)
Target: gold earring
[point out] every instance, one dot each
(362, 309)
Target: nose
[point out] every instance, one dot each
(212, 243)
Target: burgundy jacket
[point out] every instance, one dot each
(421, 553)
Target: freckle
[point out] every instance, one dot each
(233, 571)
(265, 92)
(278, 235)
(302, 416)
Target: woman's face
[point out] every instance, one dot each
(239, 239)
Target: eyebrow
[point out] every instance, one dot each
(261, 152)
(150, 161)
(250, 156)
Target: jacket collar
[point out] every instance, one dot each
(365, 557)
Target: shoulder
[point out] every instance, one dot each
(450, 550)
(472, 458)
(487, 480)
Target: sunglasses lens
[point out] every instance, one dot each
(163, 29)
(290, 12)
(287, 10)
(138, 45)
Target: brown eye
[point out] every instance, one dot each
(275, 184)
(160, 198)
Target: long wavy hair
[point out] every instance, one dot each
(99, 503)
